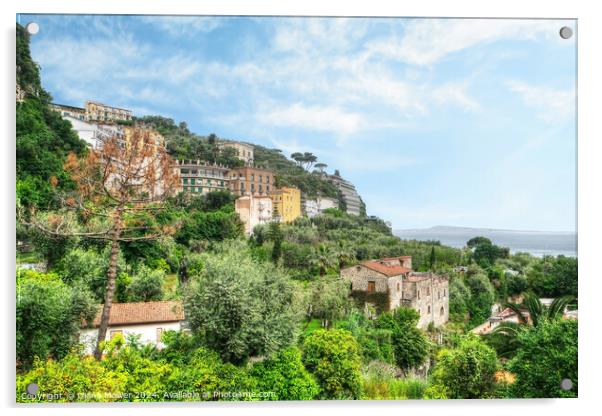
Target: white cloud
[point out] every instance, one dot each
(455, 93)
(426, 41)
(186, 26)
(330, 119)
(551, 105)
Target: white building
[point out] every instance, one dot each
(254, 210)
(310, 208)
(350, 195)
(313, 207)
(147, 319)
(326, 203)
(92, 133)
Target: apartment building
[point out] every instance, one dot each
(69, 111)
(350, 195)
(254, 210)
(287, 204)
(199, 177)
(96, 111)
(251, 181)
(244, 151)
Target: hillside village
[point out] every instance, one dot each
(258, 201)
(222, 267)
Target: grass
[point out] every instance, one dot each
(170, 284)
(385, 388)
(28, 257)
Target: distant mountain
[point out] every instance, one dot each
(535, 242)
(438, 229)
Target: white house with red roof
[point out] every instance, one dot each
(389, 283)
(147, 319)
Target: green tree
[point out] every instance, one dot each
(459, 299)
(70, 379)
(482, 296)
(329, 299)
(88, 267)
(146, 285)
(467, 371)
(410, 346)
(547, 355)
(284, 375)
(49, 314)
(432, 258)
(505, 337)
(485, 253)
(241, 307)
(275, 235)
(333, 356)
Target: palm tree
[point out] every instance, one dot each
(505, 336)
(325, 258)
(345, 254)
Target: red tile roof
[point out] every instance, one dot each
(388, 271)
(143, 312)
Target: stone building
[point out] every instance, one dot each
(389, 283)
(199, 177)
(244, 151)
(287, 204)
(251, 181)
(254, 210)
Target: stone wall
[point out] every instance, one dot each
(359, 276)
(430, 297)
(426, 293)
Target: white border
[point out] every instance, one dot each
(589, 209)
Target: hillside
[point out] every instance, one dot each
(43, 138)
(184, 144)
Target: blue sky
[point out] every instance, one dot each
(436, 121)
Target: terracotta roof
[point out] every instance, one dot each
(397, 258)
(388, 271)
(143, 312)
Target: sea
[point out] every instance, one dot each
(537, 243)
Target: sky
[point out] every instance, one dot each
(461, 122)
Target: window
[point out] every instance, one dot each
(260, 178)
(442, 311)
(428, 309)
(398, 287)
(192, 181)
(252, 177)
(260, 189)
(115, 332)
(267, 179)
(358, 268)
(184, 171)
(252, 187)
(428, 291)
(159, 333)
(185, 181)
(371, 287)
(418, 294)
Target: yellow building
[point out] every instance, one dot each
(286, 204)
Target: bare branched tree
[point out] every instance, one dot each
(120, 187)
